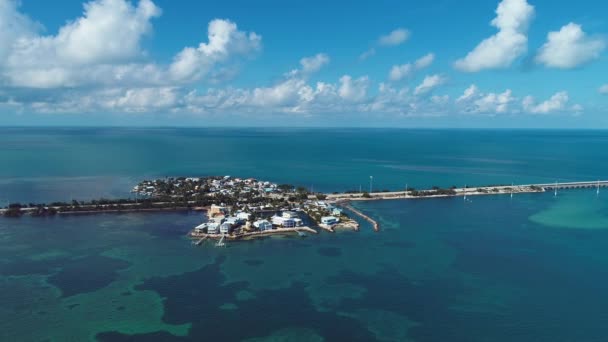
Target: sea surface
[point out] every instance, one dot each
(529, 268)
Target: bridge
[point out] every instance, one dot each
(467, 191)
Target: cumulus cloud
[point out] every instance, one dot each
(429, 83)
(224, 41)
(314, 63)
(399, 72)
(395, 37)
(509, 43)
(353, 89)
(476, 102)
(367, 54)
(569, 47)
(110, 31)
(603, 89)
(103, 48)
(557, 102)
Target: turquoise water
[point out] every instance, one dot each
(533, 268)
(59, 164)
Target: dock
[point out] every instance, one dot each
(374, 223)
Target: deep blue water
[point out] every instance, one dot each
(531, 268)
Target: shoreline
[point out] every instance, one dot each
(251, 235)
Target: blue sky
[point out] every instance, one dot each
(509, 63)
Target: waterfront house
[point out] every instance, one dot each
(329, 220)
(262, 225)
(336, 212)
(225, 228)
(283, 221)
(213, 227)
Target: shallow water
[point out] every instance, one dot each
(493, 269)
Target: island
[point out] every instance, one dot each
(247, 208)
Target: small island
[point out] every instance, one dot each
(246, 208)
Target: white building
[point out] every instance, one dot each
(225, 228)
(243, 216)
(213, 227)
(329, 220)
(289, 214)
(262, 225)
(283, 221)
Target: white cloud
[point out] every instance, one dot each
(314, 63)
(502, 49)
(557, 102)
(429, 83)
(224, 41)
(396, 37)
(569, 47)
(469, 93)
(367, 54)
(476, 102)
(424, 61)
(103, 48)
(399, 72)
(494, 103)
(109, 32)
(603, 89)
(353, 90)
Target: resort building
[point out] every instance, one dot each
(262, 225)
(213, 227)
(329, 220)
(225, 228)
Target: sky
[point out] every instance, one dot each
(443, 63)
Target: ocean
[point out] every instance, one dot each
(530, 268)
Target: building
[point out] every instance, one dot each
(283, 221)
(262, 225)
(336, 212)
(243, 216)
(289, 214)
(213, 227)
(234, 220)
(329, 220)
(225, 228)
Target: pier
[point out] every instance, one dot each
(374, 223)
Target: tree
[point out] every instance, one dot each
(321, 197)
(366, 195)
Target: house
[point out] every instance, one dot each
(225, 228)
(283, 221)
(262, 225)
(336, 212)
(329, 220)
(234, 221)
(213, 227)
(243, 216)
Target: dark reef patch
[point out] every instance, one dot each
(86, 274)
(196, 297)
